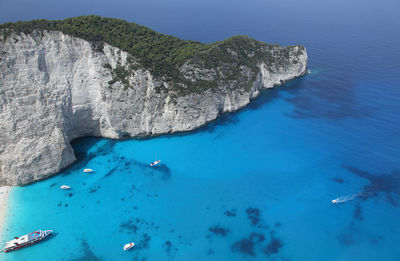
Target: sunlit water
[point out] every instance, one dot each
(256, 184)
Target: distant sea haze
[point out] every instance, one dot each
(253, 185)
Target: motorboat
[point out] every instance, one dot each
(129, 246)
(65, 187)
(335, 201)
(87, 170)
(154, 163)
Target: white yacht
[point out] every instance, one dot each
(154, 163)
(129, 246)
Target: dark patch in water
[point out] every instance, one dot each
(144, 242)
(254, 215)
(70, 194)
(169, 248)
(223, 120)
(138, 223)
(387, 183)
(129, 226)
(59, 204)
(230, 213)
(244, 246)
(210, 252)
(94, 189)
(346, 239)
(339, 180)
(278, 224)
(266, 97)
(66, 205)
(358, 213)
(151, 171)
(82, 159)
(257, 237)
(81, 147)
(107, 148)
(220, 231)
(165, 170)
(52, 185)
(141, 165)
(334, 100)
(375, 240)
(273, 246)
(167, 245)
(87, 255)
(110, 172)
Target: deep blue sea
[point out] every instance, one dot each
(253, 185)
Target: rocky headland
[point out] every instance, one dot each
(94, 76)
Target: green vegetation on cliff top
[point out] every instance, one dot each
(161, 54)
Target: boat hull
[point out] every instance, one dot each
(21, 246)
(155, 163)
(129, 246)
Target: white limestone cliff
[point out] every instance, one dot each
(54, 88)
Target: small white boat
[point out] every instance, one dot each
(87, 170)
(155, 163)
(335, 201)
(65, 187)
(128, 246)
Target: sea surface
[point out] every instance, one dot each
(253, 185)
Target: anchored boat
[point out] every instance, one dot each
(65, 187)
(87, 170)
(155, 163)
(128, 246)
(26, 240)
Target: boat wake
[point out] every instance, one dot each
(346, 198)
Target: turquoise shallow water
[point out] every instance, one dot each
(256, 184)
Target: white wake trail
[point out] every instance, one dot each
(346, 198)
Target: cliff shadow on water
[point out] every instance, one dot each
(85, 149)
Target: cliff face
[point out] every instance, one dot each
(55, 88)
